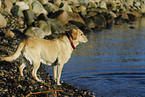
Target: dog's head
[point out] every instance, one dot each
(79, 36)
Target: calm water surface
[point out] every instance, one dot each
(111, 63)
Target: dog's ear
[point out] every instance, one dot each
(74, 34)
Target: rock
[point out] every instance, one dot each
(0, 3)
(3, 22)
(74, 2)
(143, 8)
(83, 2)
(103, 4)
(100, 21)
(7, 5)
(20, 21)
(91, 13)
(92, 4)
(57, 2)
(29, 17)
(34, 32)
(121, 17)
(89, 23)
(49, 7)
(109, 19)
(37, 8)
(75, 17)
(64, 5)
(13, 1)
(131, 17)
(44, 26)
(56, 26)
(112, 14)
(61, 15)
(9, 34)
(124, 15)
(43, 1)
(22, 5)
(29, 3)
(137, 13)
(81, 9)
(64, 17)
(16, 11)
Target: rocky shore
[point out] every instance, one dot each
(48, 19)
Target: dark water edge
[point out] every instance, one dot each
(112, 63)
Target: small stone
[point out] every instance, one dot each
(3, 22)
(9, 34)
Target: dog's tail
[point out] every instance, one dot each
(16, 54)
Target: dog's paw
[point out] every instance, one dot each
(59, 84)
(3, 59)
(42, 82)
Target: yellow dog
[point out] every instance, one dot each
(57, 51)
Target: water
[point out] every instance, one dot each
(111, 63)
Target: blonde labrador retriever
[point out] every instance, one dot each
(57, 51)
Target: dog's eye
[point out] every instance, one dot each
(81, 34)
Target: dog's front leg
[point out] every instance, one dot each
(59, 70)
(55, 73)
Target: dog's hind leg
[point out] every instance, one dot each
(21, 68)
(36, 66)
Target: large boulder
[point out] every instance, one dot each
(34, 32)
(37, 8)
(22, 5)
(7, 5)
(75, 17)
(13, 1)
(112, 14)
(44, 26)
(29, 3)
(131, 17)
(80, 9)
(56, 26)
(100, 21)
(109, 19)
(84, 2)
(89, 23)
(43, 1)
(65, 6)
(29, 17)
(92, 4)
(143, 8)
(103, 4)
(64, 17)
(16, 11)
(50, 7)
(135, 12)
(57, 2)
(0, 3)
(3, 22)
